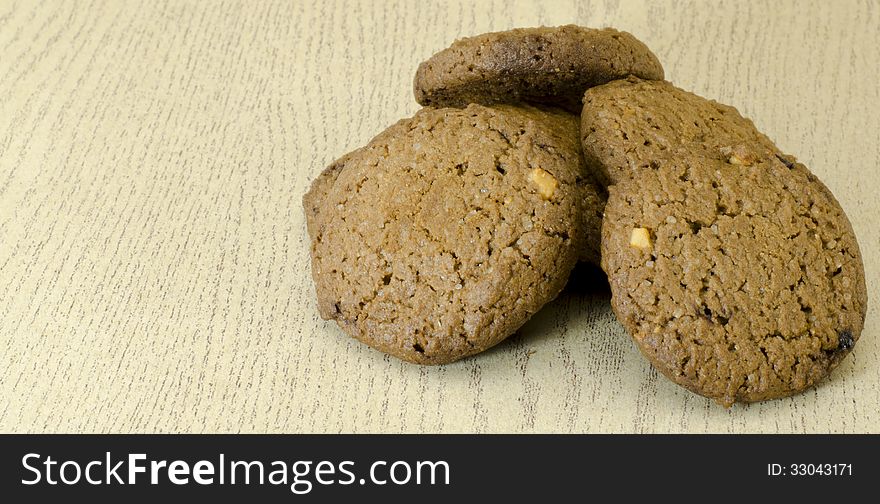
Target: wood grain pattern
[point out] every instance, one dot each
(154, 272)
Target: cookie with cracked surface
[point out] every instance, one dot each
(740, 281)
(627, 123)
(551, 65)
(593, 194)
(446, 232)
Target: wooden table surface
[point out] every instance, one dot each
(154, 272)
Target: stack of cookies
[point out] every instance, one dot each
(732, 266)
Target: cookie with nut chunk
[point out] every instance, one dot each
(740, 282)
(550, 65)
(627, 123)
(445, 233)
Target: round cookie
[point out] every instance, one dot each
(445, 233)
(741, 281)
(627, 123)
(552, 65)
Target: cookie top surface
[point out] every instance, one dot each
(627, 123)
(448, 230)
(740, 282)
(552, 65)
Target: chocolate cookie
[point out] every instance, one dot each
(627, 123)
(739, 281)
(544, 65)
(445, 233)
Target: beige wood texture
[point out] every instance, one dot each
(154, 272)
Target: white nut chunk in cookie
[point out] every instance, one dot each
(740, 155)
(545, 182)
(640, 238)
